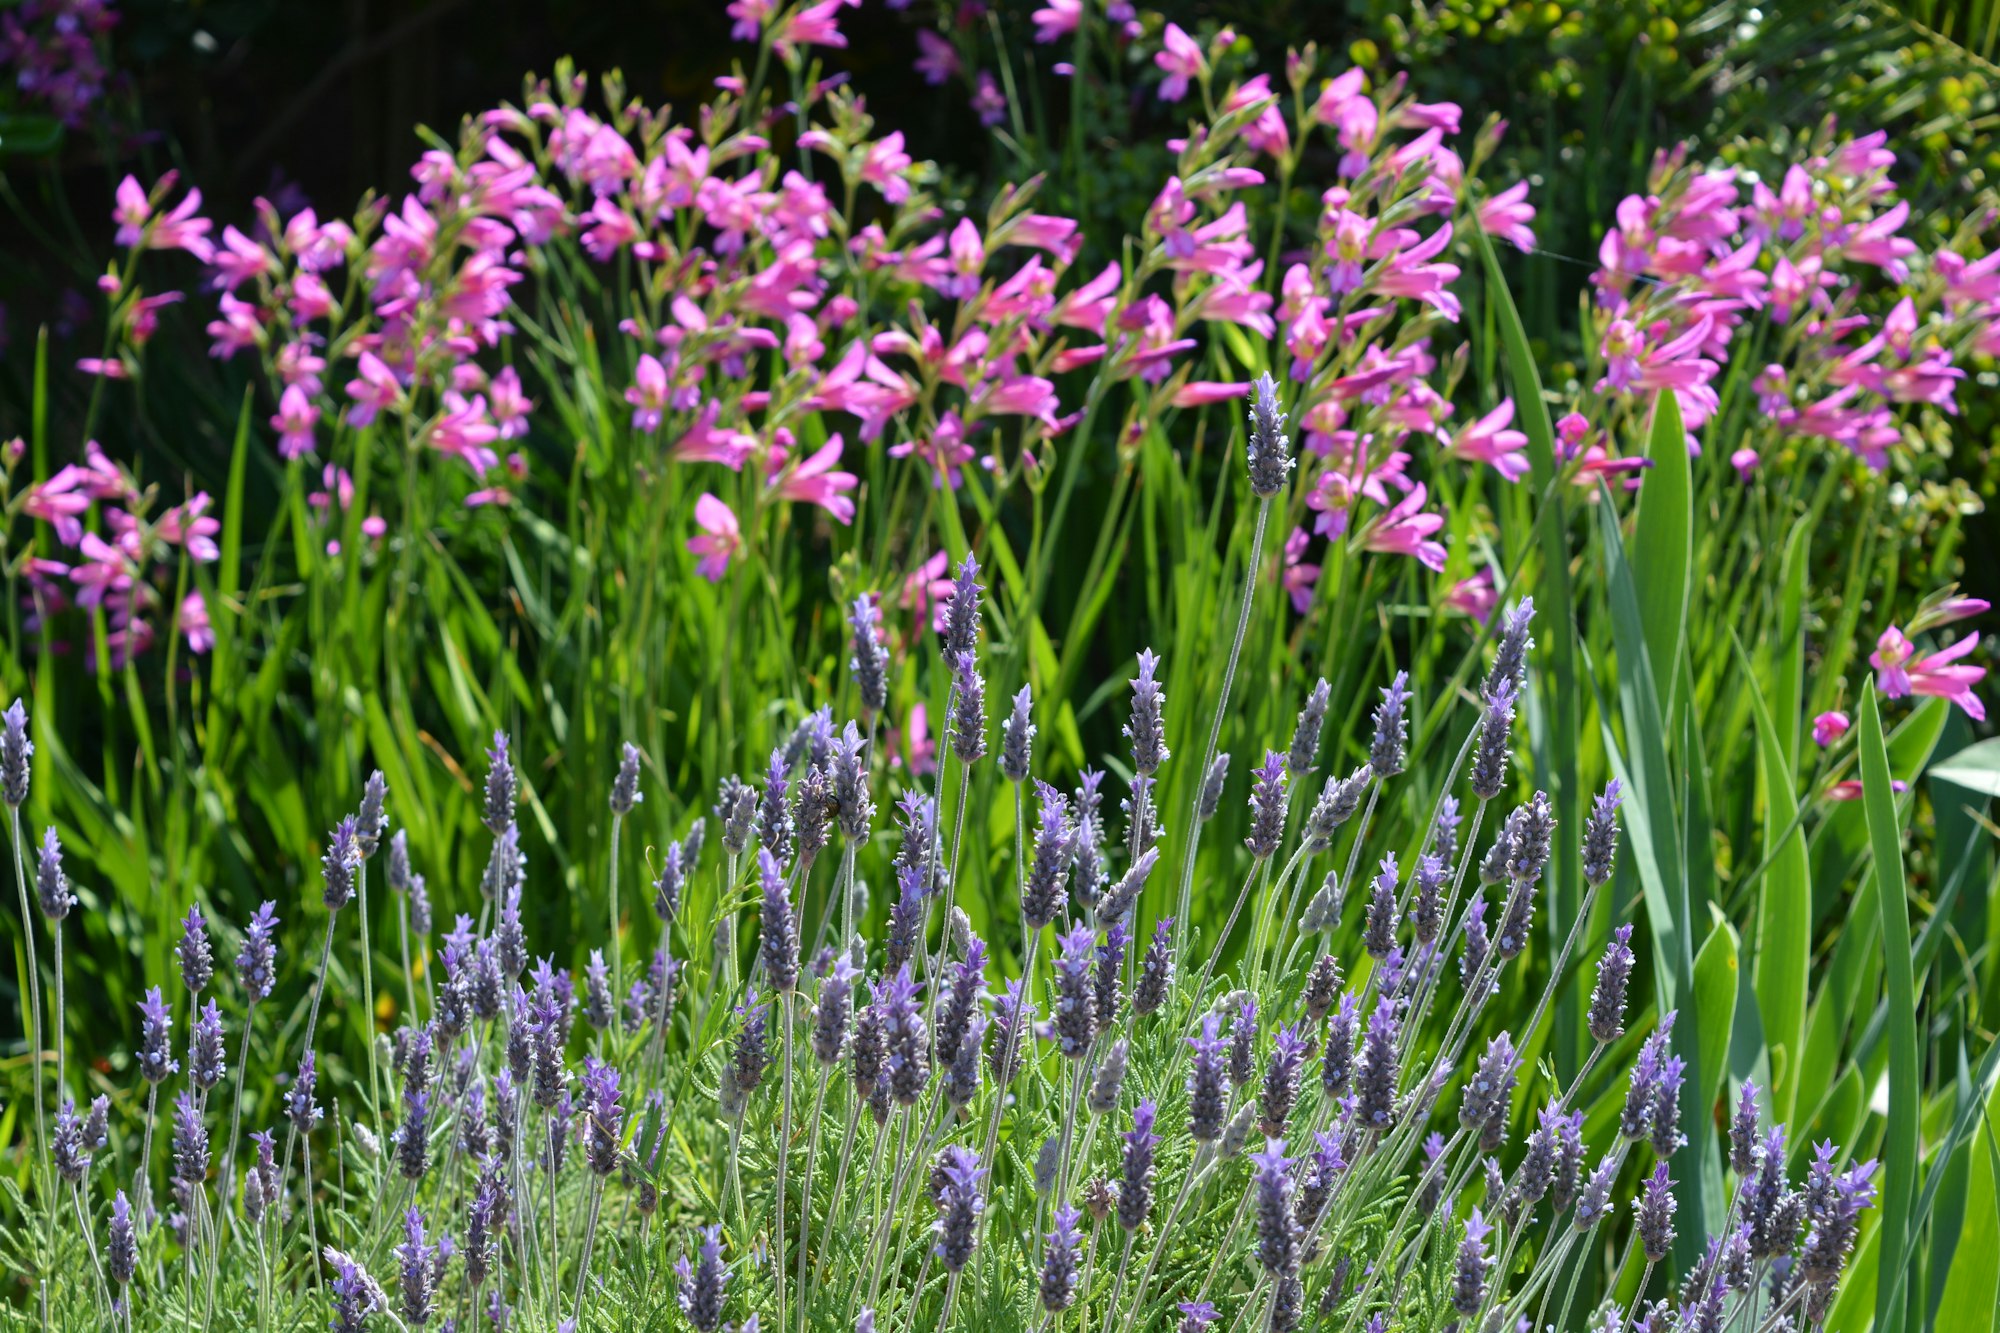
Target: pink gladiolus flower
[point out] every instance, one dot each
(1949, 610)
(1899, 672)
(1828, 728)
(194, 623)
(813, 25)
(706, 443)
(937, 58)
(1507, 215)
(1851, 790)
(750, 16)
(1488, 440)
(61, 501)
(1406, 530)
(509, 405)
(929, 585)
(144, 316)
(110, 368)
(465, 432)
(374, 390)
(720, 537)
(1058, 20)
(988, 102)
(946, 452)
(1300, 577)
(1182, 60)
(241, 326)
(1475, 597)
(239, 260)
(294, 422)
(648, 395)
(915, 743)
(178, 230)
(1745, 462)
(886, 166)
(1200, 393)
(814, 481)
(311, 298)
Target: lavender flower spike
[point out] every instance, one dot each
(968, 710)
(703, 1284)
(625, 791)
(961, 611)
(1600, 834)
(1147, 728)
(1267, 807)
(501, 786)
(1017, 736)
(256, 961)
(1135, 1185)
(1305, 734)
(1392, 728)
(16, 750)
(1270, 456)
(870, 663)
(51, 883)
(1059, 1266)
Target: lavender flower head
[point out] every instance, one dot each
(16, 750)
(1042, 895)
(1489, 756)
(190, 1142)
(69, 1142)
(778, 938)
(1392, 728)
(498, 810)
(422, 1269)
(1270, 456)
(256, 961)
(1281, 1080)
(1211, 788)
(1147, 727)
(1607, 999)
(1277, 1231)
(1075, 1020)
(667, 886)
(1243, 1041)
(1468, 1285)
(1156, 971)
(905, 1039)
(205, 1055)
(968, 709)
(1306, 733)
(337, 865)
(598, 1007)
(51, 884)
(1135, 1183)
(1655, 1208)
(121, 1257)
(1337, 1065)
(703, 1284)
(1743, 1146)
(960, 1204)
(1378, 935)
(1196, 1316)
(194, 953)
(1484, 1110)
(870, 663)
(1510, 661)
(1207, 1083)
(850, 784)
(1017, 735)
(1059, 1264)
(774, 811)
(736, 810)
(356, 1295)
(299, 1107)
(625, 791)
(1322, 987)
(1636, 1119)
(1375, 1074)
(371, 821)
(1600, 834)
(961, 611)
(602, 1116)
(1267, 807)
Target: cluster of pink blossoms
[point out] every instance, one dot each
(50, 52)
(1854, 323)
(118, 561)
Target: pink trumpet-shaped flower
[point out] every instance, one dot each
(1182, 60)
(720, 538)
(296, 417)
(1406, 530)
(814, 481)
(1899, 672)
(1828, 728)
(1507, 215)
(1489, 440)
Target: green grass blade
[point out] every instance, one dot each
(1885, 836)
(1663, 547)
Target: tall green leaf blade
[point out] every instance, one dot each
(1663, 546)
(1715, 981)
(1899, 1176)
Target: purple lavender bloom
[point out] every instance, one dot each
(774, 812)
(299, 1107)
(498, 811)
(194, 953)
(1484, 1110)
(1337, 1066)
(156, 1061)
(661, 975)
(602, 1116)
(1489, 757)
(1277, 1231)
(1017, 737)
(625, 791)
(1059, 1266)
(51, 883)
(1568, 1132)
(371, 821)
(422, 1268)
(849, 774)
(337, 865)
(412, 1137)
(1392, 728)
(1444, 830)
(830, 1011)
(256, 961)
(778, 938)
(1773, 1225)
(1281, 1080)
(1306, 732)
(1636, 1120)
(736, 810)
(667, 886)
(1042, 896)
(1156, 970)
(1468, 1283)
(1117, 902)
(122, 1253)
(1510, 661)
(960, 1204)
(1086, 856)
(1196, 1315)
(1607, 1000)
(1147, 727)
(1477, 946)
(190, 1142)
(66, 1143)
(905, 1040)
(870, 663)
(961, 1074)
(598, 1010)
(356, 1295)
(1012, 1015)
(1207, 1088)
(1600, 835)
(916, 823)
(963, 987)
(1267, 806)
(907, 918)
(1743, 1132)
(506, 867)
(1655, 1208)
(961, 611)
(1666, 1121)
(968, 709)
(813, 813)
(206, 1066)
(1595, 1201)
(485, 1220)
(1107, 995)
(1834, 1227)
(1378, 934)
(1537, 1170)
(1135, 1184)
(16, 750)
(1243, 1042)
(1375, 1076)
(1270, 457)
(1533, 837)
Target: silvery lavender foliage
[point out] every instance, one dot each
(1267, 807)
(870, 663)
(501, 787)
(968, 709)
(960, 1204)
(1059, 1263)
(156, 1061)
(205, 1056)
(1156, 970)
(16, 750)
(256, 960)
(1489, 755)
(1281, 1080)
(1387, 751)
(1135, 1181)
(121, 1253)
(194, 953)
(371, 821)
(337, 865)
(1075, 1021)
(851, 800)
(1270, 456)
(625, 791)
(1017, 738)
(1607, 1000)
(1211, 788)
(1147, 728)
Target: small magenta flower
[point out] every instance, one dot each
(1829, 727)
(1899, 672)
(720, 539)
